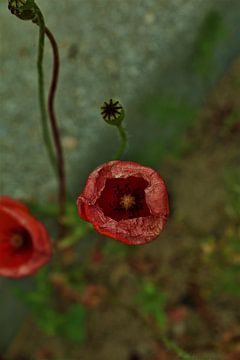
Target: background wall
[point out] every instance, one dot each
(155, 53)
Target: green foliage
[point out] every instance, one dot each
(69, 324)
(72, 217)
(228, 280)
(224, 259)
(167, 109)
(152, 302)
(42, 293)
(169, 117)
(172, 346)
(43, 209)
(211, 33)
(50, 321)
(226, 256)
(230, 121)
(76, 279)
(77, 228)
(73, 324)
(232, 183)
(233, 243)
(40, 302)
(116, 249)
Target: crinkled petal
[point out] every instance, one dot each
(7, 202)
(138, 230)
(25, 262)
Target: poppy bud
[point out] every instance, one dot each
(23, 9)
(112, 112)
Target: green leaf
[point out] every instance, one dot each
(152, 302)
(211, 33)
(73, 326)
(47, 209)
(115, 248)
(50, 321)
(232, 186)
(228, 280)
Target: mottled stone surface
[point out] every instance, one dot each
(108, 48)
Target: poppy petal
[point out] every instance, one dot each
(135, 227)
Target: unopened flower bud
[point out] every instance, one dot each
(23, 9)
(112, 112)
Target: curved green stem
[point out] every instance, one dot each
(41, 94)
(123, 145)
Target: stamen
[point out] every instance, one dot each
(127, 201)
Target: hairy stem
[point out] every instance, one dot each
(123, 145)
(54, 125)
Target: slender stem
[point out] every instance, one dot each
(168, 344)
(54, 125)
(172, 346)
(41, 92)
(122, 147)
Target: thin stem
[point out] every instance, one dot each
(172, 346)
(149, 322)
(41, 92)
(54, 125)
(157, 333)
(123, 145)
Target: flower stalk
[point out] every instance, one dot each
(123, 145)
(54, 125)
(58, 159)
(28, 10)
(113, 114)
(41, 93)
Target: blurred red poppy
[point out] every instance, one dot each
(24, 242)
(125, 201)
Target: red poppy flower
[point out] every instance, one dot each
(125, 201)
(24, 242)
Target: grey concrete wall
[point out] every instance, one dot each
(108, 48)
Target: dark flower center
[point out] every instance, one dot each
(20, 240)
(124, 198)
(17, 241)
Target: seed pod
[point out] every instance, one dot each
(112, 112)
(23, 9)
